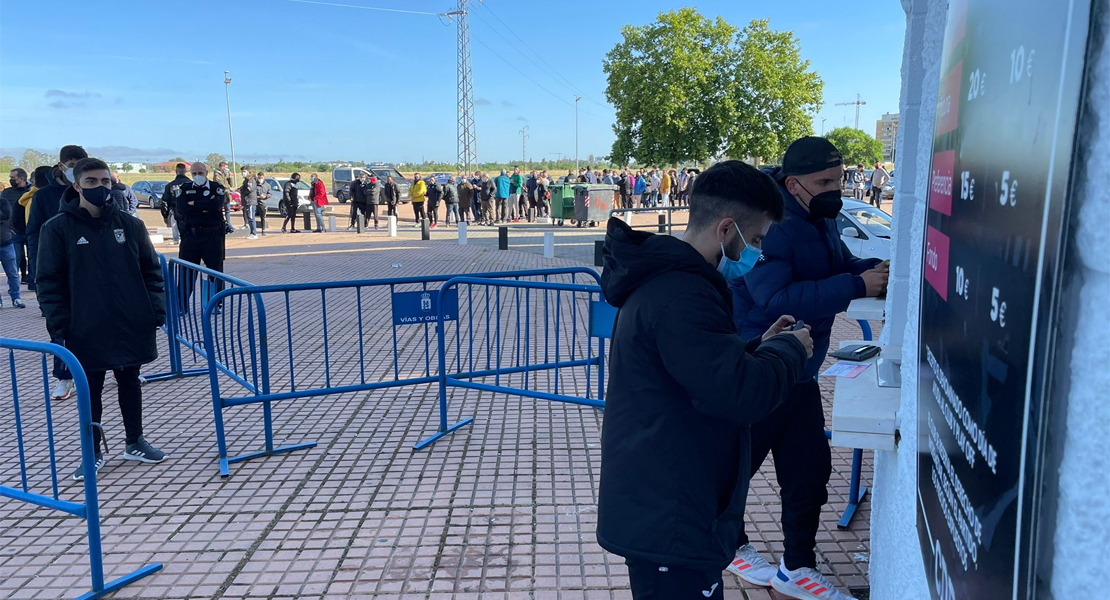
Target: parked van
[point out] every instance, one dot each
(342, 177)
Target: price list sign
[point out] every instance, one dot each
(1006, 115)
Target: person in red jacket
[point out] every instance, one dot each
(320, 199)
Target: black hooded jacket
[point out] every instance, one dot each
(100, 286)
(683, 390)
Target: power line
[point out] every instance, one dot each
(551, 70)
(529, 78)
(396, 10)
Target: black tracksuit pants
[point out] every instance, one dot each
(130, 402)
(655, 582)
(795, 432)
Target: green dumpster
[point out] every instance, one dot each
(562, 202)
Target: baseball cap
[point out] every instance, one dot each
(810, 155)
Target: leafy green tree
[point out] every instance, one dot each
(214, 159)
(322, 168)
(126, 167)
(33, 158)
(142, 170)
(856, 146)
(667, 81)
(688, 88)
(778, 95)
(7, 163)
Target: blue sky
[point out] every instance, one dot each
(331, 83)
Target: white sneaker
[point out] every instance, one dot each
(806, 584)
(64, 389)
(750, 566)
(252, 237)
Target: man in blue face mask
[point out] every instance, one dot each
(684, 387)
(806, 271)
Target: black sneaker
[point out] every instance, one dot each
(99, 460)
(142, 451)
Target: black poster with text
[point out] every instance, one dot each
(1006, 114)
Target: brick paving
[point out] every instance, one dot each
(504, 508)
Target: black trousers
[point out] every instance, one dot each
(290, 218)
(433, 212)
(130, 401)
(418, 211)
(201, 246)
(656, 582)
(795, 432)
(261, 210)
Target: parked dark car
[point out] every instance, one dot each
(149, 193)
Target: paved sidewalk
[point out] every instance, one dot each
(505, 508)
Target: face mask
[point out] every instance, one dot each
(735, 269)
(13, 183)
(69, 174)
(825, 205)
(200, 179)
(97, 196)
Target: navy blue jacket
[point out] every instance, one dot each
(46, 203)
(807, 272)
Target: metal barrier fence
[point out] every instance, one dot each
(666, 222)
(184, 309)
(270, 363)
(89, 508)
(588, 318)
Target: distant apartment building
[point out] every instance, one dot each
(886, 131)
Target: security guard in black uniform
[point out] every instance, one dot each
(199, 208)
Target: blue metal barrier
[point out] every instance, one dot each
(249, 351)
(466, 379)
(184, 309)
(89, 509)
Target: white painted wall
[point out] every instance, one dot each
(1081, 540)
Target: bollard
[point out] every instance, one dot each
(462, 233)
(502, 238)
(549, 244)
(392, 225)
(307, 222)
(331, 223)
(425, 233)
(662, 223)
(360, 223)
(597, 252)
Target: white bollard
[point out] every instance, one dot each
(549, 244)
(331, 223)
(462, 234)
(392, 225)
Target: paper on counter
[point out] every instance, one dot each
(846, 369)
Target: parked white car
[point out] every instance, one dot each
(866, 230)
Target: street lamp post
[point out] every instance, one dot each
(822, 126)
(577, 99)
(524, 145)
(227, 95)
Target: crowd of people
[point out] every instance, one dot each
(513, 197)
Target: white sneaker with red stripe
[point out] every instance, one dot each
(750, 566)
(806, 584)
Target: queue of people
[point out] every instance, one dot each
(715, 350)
(481, 199)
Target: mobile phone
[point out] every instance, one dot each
(798, 325)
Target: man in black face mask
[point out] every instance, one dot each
(805, 271)
(101, 289)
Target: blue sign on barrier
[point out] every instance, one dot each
(410, 308)
(603, 317)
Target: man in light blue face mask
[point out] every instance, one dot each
(684, 387)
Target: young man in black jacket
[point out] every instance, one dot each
(100, 286)
(684, 387)
(290, 201)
